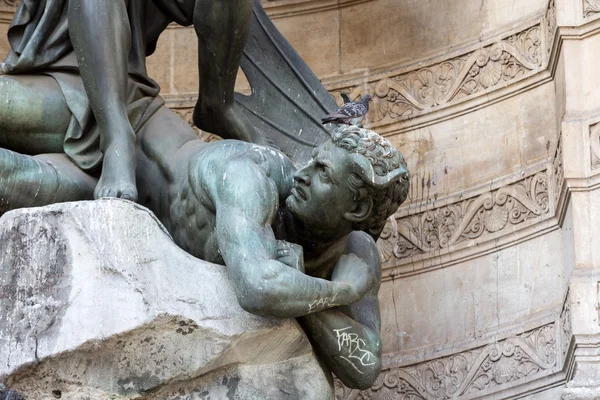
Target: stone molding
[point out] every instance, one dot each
(446, 85)
(520, 363)
(595, 145)
(9, 5)
(425, 236)
(472, 374)
(422, 236)
(7, 8)
(406, 95)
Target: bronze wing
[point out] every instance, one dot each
(287, 99)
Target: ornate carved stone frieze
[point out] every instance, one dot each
(7, 8)
(595, 145)
(566, 328)
(467, 220)
(9, 4)
(404, 96)
(550, 24)
(590, 7)
(490, 368)
(558, 170)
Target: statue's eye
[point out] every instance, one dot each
(322, 170)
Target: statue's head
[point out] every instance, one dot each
(356, 179)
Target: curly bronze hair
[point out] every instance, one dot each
(385, 160)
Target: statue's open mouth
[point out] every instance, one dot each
(298, 194)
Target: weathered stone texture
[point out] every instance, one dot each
(97, 302)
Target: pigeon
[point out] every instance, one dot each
(346, 98)
(351, 113)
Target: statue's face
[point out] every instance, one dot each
(321, 194)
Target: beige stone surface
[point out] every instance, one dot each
(378, 28)
(4, 47)
(465, 302)
(582, 87)
(160, 64)
(185, 61)
(316, 37)
(460, 153)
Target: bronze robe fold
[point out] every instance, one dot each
(40, 44)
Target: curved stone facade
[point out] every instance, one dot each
(491, 269)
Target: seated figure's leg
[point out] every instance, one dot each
(31, 181)
(33, 114)
(222, 28)
(33, 120)
(101, 38)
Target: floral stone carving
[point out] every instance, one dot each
(591, 7)
(558, 170)
(407, 95)
(551, 24)
(488, 367)
(474, 218)
(595, 145)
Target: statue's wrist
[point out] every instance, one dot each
(346, 294)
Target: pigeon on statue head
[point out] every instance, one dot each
(352, 113)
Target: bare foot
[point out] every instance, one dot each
(118, 173)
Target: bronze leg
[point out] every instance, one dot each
(31, 181)
(222, 28)
(101, 38)
(33, 114)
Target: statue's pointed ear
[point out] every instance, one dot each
(365, 170)
(362, 210)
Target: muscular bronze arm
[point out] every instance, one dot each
(101, 38)
(351, 350)
(263, 285)
(347, 337)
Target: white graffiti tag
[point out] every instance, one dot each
(354, 345)
(322, 303)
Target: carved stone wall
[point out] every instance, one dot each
(495, 106)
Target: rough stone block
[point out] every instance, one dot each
(97, 302)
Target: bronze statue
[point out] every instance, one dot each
(293, 241)
(59, 38)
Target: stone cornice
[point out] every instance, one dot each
(426, 236)
(513, 364)
(405, 98)
(7, 8)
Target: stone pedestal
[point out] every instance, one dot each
(97, 302)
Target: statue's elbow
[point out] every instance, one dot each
(258, 300)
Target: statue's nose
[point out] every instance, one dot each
(302, 176)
